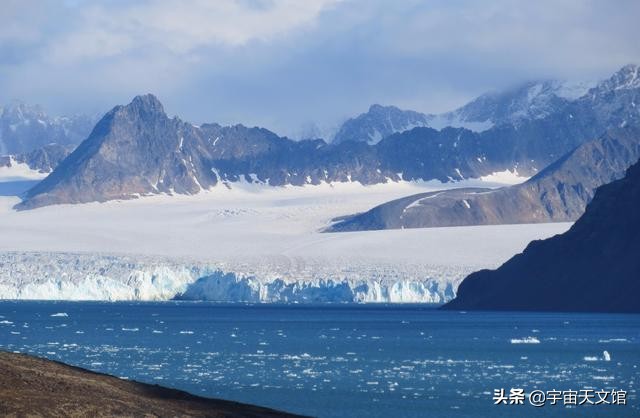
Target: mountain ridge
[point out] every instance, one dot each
(378, 123)
(215, 154)
(559, 193)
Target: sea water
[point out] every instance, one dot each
(342, 360)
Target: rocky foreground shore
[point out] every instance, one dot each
(35, 387)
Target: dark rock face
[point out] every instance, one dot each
(558, 193)
(378, 123)
(25, 128)
(593, 267)
(136, 149)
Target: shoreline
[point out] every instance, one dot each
(37, 386)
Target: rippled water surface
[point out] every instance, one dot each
(341, 360)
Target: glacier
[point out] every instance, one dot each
(246, 243)
(68, 276)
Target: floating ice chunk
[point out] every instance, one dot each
(186, 332)
(59, 314)
(131, 329)
(603, 378)
(606, 356)
(525, 340)
(590, 358)
(5, 322)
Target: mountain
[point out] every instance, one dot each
(44, 159)
(136, 149)
(527, 147)
(527, 101)
(593, 267)
(24, 128)
(377, 123)
(558, 193)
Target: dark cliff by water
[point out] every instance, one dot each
(593, 267)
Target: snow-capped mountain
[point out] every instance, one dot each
(378, 123)
(24, 128)
(527, 101)
(560, 192)
(136, 149)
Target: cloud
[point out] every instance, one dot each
(183, 27)
(290, 63)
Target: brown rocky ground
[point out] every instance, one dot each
(35, 387)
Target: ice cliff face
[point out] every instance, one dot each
(57, 276)
(229, 287)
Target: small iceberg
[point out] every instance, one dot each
(614, 340)
(525, 340)
(605, 357)
(59, 314)
(130, 329)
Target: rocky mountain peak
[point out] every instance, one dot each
(146, 105)
(378, 108)
(378, 123)
(627, 78)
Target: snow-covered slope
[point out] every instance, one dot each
(248, 243)
(527, 101)
(18, 171)
(15, 179)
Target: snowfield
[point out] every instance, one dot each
(250, 243)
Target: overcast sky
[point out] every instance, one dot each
(289, 64)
